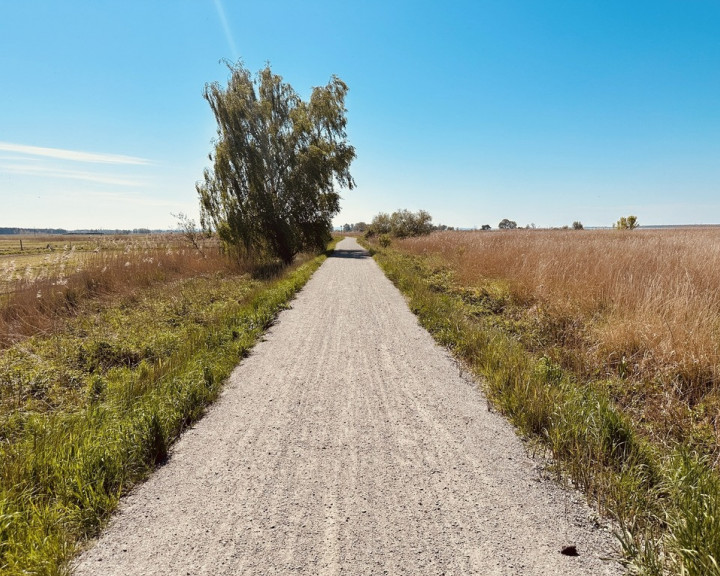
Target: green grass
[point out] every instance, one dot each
(88, 412)
(664, 498)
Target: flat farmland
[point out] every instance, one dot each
(25, 259)
(29, 258)
(52, 276)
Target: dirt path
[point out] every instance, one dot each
(347, 443)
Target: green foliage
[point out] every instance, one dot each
(626, 223)
(506, 224)
(87, 413)
(401, 224)
(694, 535)
(277, 161)
(404, 223)
(381, 224)
(577, 225)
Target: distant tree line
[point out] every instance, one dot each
(63, 231)
(33, 231)
(403, 224)
(357, 227)
(399, 224)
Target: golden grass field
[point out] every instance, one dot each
(601, 346)
(643, 305)
(52, 275)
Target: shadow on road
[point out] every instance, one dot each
(349, 254)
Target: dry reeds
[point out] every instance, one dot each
(35, 300)
(643, 304)
(602, 347)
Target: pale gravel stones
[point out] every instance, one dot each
(347, 443)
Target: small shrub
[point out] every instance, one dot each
(401, 224)
(96, 388)
(626, 223)
(506, 224)
(155, 441)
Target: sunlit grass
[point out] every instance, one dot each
(532, 353)
(38, 290)
(643, 306)
(86, 412)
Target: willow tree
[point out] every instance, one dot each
(277, 165)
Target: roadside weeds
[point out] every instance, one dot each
(666, 500)
(77, 433)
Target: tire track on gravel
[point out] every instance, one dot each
(347, 443)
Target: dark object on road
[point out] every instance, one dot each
(569, 551)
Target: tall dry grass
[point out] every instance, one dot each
(643, 305)
(36, 300)
(510, 328)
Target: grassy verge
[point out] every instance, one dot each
(665, 497)
(88, 412)
(38, 291)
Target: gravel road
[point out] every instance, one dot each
(348, 443)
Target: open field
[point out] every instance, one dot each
(29, 258)
(602, 347)
(42, 285)
(641, 308)
(28, 244)
(99, 375)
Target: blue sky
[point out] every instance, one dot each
(541, 112)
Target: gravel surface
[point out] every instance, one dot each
(348, 443)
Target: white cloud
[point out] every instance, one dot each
(51, 172)
(74, 155)
(226, 28)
